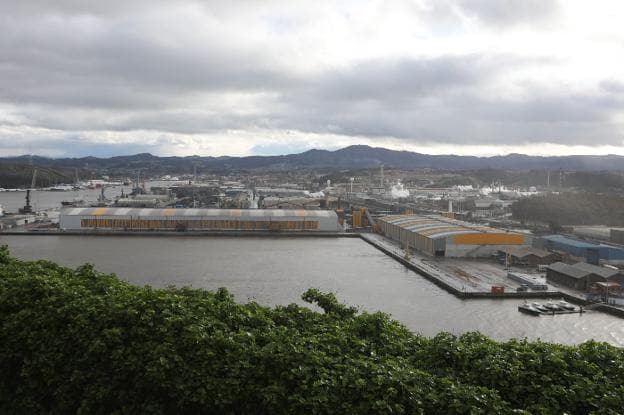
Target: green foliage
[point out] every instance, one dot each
(329, 303)
(79, 341)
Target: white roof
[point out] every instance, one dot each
(235, 213)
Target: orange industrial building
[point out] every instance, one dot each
(440, 236)
(105, 218)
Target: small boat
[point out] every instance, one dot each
(76, 202)
(60, 188)
(540, 307)
(552, 306)
(566, 306)
(529, 309)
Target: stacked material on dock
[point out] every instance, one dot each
(199, 219)
(534, 282)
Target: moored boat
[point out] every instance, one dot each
(552, 306)
(76, 202)
(567, 306)
(529, 309)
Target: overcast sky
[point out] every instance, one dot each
(227, 77)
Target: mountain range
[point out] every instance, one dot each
(352, 157)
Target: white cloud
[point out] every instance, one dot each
(242, 77)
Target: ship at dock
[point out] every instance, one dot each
(550, 307)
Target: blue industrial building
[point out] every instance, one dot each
(591, 251)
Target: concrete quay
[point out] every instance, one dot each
(447, 282)
(451, 284)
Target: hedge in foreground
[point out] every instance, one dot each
(81, 341)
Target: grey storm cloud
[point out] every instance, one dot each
(121, 68)
(409, 79)
(86, 66)
(443, 99)
(565, 119)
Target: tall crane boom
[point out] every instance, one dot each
(34, 179)
(28, 207)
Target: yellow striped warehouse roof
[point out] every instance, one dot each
(233, 213)
(434, 226)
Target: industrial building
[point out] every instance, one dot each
(12, 221)
(600, 233)
(527, 256)
(440, 236)
(592, 252)
(580, 275)
(198, 219)
(488, 207)
(609, 292)
(616, 235)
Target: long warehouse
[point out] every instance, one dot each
(199, 219)
(440, 236)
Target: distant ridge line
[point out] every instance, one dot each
(352, 157)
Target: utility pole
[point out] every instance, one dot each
(547, 179)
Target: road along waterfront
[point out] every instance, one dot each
(278, 270)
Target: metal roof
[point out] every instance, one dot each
(524, 251)
(594, 269)
(435, 227)
(569, 241)
(569, 270)
(577, 247)
(582, 269)
(235, 213)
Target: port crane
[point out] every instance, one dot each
(28, 207)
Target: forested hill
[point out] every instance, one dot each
(15, 175)
(353, 157)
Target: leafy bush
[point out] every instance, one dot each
(79, 341)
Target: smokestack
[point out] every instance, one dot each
(547, 179)
(381, 182)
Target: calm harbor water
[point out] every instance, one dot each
(44, 200)
(278, 270)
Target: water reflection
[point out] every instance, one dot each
(278, 271)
